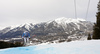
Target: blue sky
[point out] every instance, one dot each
(16, 12)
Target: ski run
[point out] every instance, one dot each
(75, 47)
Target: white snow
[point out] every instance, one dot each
(27, 26)
(68, 20)
(78, 26)
(15, 38)
(78, 47)
(63, 21)
(14, 26)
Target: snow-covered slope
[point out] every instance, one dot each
(68, 20)
(80, 47)
(5, 30)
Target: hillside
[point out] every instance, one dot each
(58, 27)
(61, 29)
(78, 47)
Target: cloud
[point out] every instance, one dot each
(14, 12)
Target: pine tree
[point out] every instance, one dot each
(89, 37)
(96, 28)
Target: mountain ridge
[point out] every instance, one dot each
(60, 26)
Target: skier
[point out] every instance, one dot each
(26, 37)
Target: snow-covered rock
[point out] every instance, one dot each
(64, 20)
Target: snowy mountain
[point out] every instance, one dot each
(5, 30)
(64, 20)
(58, 27)
(79, 47)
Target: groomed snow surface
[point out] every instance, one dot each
(76, 47)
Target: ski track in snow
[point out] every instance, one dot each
(78, 47)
